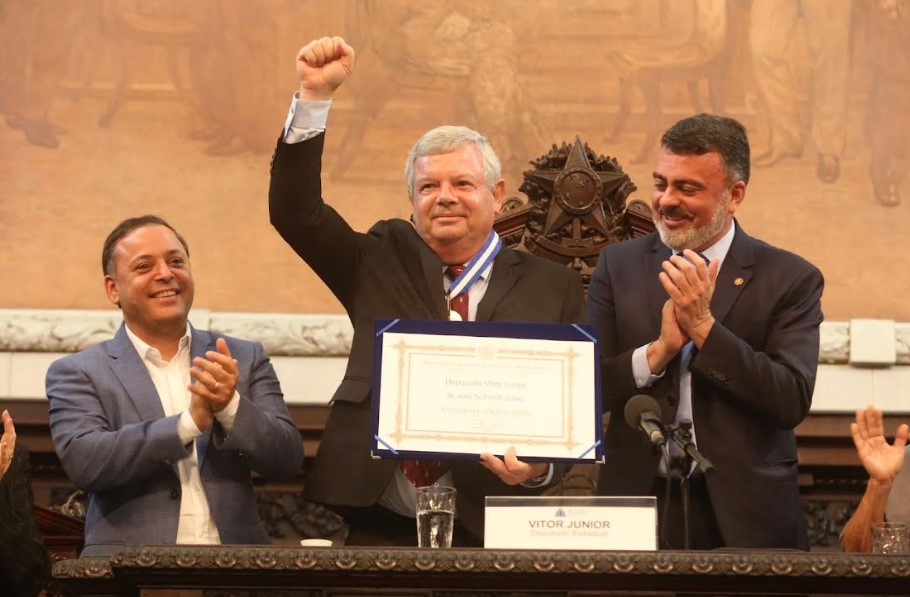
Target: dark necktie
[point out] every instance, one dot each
(424, 472)
(684, 410)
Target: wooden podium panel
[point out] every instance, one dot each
(247, 571)
(63, 535)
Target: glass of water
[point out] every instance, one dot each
(890, 537)
(435, 516)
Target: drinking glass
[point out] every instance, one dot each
(890, 537)
(435, 516)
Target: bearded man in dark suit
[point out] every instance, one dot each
(722, 330)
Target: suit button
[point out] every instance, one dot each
(175, 494)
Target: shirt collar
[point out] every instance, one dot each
(149, 352)
(484, 274)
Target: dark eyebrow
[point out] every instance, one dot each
(688, 182)
(679, 182)
(145, 256)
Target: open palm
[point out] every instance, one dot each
(7, 443)
(880, 459)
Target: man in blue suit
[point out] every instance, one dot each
(163, 425)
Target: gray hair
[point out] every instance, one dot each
(704, 133)
(446, 139)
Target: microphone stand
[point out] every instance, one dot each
(681, 435)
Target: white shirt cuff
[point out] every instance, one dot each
(186, 428)
(641, 371)
(306, 119)
(228, 414)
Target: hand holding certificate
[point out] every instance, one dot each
(445, 390)
(511, 470)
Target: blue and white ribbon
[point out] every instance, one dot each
(476, 266)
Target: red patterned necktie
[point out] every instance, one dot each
(424, 472)
(459, 304)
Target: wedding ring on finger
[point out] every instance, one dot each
(216, 386)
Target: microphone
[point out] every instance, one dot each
(641, 413)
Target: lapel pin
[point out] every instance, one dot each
(739, 281)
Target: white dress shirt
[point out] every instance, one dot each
(171, 378)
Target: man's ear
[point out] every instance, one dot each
(499, 191)
(110, 287)
(737, 194)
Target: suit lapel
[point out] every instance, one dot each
(431, 268)
(734, 274)
(657, 296)
(200, 343)
(502, 279)
(425, 270)
(129, 368)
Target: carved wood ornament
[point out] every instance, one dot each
(577, 204)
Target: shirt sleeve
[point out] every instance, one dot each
(228, 414)
(640, 369)
(306, 119)
(186, 428)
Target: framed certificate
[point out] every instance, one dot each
(458, 389)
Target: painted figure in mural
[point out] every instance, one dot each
(887, 35)
(722, 330)
(24, 563)
(397, 270)
(772, 31)
(648, 62)
(887, 494)
(163, 425)
(468, 48)
(34, 41)
(233, 61)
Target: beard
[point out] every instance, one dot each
(694, 237)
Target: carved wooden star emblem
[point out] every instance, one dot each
(578, 191)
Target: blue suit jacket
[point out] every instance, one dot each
(114, 441)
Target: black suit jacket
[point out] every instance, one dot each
(24, 564)
(752, 380)
(390, 272)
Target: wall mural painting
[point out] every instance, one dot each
(113, 108)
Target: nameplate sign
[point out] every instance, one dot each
(445, 389)
(568, 522)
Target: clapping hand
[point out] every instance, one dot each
(7, 443)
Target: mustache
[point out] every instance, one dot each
(674, 212)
